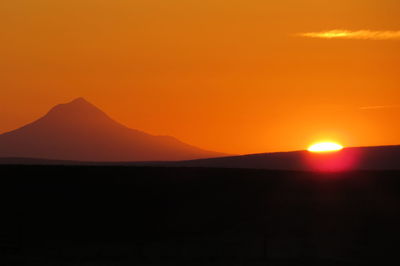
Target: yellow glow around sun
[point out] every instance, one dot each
(325, 147)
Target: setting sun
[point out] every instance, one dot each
(325, 147)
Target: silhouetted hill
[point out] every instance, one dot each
(361, 158)
(80, 131)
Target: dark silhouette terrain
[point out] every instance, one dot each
(349, 159)
(80, 131)
(109, 215)
(358, 158)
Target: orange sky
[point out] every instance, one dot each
(231, 76)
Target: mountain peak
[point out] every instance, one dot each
(77, 112)
(79, 105)
(79, 100)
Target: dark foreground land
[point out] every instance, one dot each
(93, 215)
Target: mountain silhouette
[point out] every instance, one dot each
(80, 131)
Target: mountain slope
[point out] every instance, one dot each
(80, 131)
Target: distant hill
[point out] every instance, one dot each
(349, 159)
(357, 158)
(80, 131)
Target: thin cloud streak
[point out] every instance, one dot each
(354, 35)
(377, 107)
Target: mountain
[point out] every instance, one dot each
(80, 131)
(349, 159)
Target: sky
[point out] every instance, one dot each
(237, 76)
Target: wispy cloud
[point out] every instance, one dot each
(355, 35)
(377, 107)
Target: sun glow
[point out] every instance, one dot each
(325, 147)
